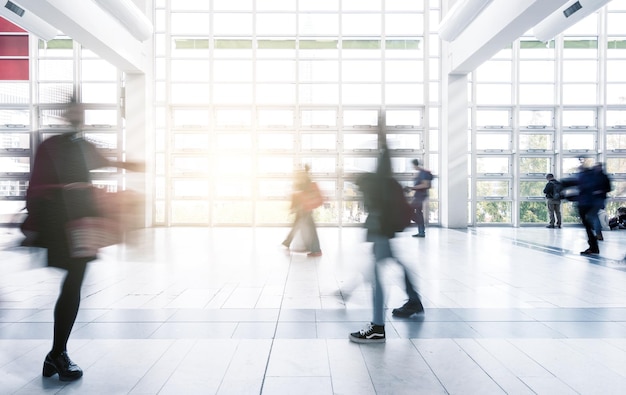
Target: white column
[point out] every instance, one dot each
(454, 159)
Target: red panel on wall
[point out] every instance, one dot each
(13, 69)
(6, 26)
(13, 45)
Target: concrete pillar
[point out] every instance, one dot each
(454, 145)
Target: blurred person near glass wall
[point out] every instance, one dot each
(305, 198)
(60, 192)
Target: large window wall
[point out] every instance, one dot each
(31, 104)
(537, 108)
(248, 91)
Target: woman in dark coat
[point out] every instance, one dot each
(59, 192)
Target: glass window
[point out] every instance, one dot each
(56, 70)
(233, 118)
(319, 141)
(537, 71)
(275, 93)
(616, 165)
(276, 141)
(404, 94)
(321, 165)
(227, 24)
(276, 48)
(493, 212)
(493, 141)
(580, 71)
(496, 165)
(190, 93)
(190, 118)
(233, 188)
(493, 94)
(318, 70)
(361, 24)
(492, 188)
(405, 141)
(360, 118)
(361, 71)
(234, 141)
(365, 94)
(318, 93)
(579, 141)
(535, 165)
(536, 118)
(275, 118)
(494, 71)
(276, 24)
(190, 212)
(616, 141)
(189, 165)
(616, 118)
(359, 164)
(532, 188)
(404, 70)
(493, 118)
(275, 5)
(14, 118)
(318, 118)
(182, 188)
(535, 49)
(615, 71)
(318, 24)
(190, 70)
(360, 142)
(404, 24)
(579, 118)
(536, 141)
(276, 70)
(190, 142)
(232, 70)
(616, 23)
(14, 141)
(196, 23)
(274, 188)
(615, 94)
(275, 165)
(537, 94)
(580, 48)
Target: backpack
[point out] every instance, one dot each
(557, 190)
(397, 210)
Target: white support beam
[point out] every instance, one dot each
(498, 25)
(94, 28)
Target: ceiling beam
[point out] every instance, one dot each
(497, 26)
(95, 29)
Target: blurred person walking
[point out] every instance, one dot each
(421, 185)
(57, 195)
(590, 183)
(378, 199)
(305, 198)
(552, 190)
(602, 188)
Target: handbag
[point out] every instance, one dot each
(101, 228)
(312, 198)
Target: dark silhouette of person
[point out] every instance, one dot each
(553, 202)
(376, 197)
(421, 185)
(60, 161)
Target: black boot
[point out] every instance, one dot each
(63, 365)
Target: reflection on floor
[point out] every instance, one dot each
(228, 311)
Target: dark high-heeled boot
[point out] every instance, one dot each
(63, 365)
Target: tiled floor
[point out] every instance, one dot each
(227, 311)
